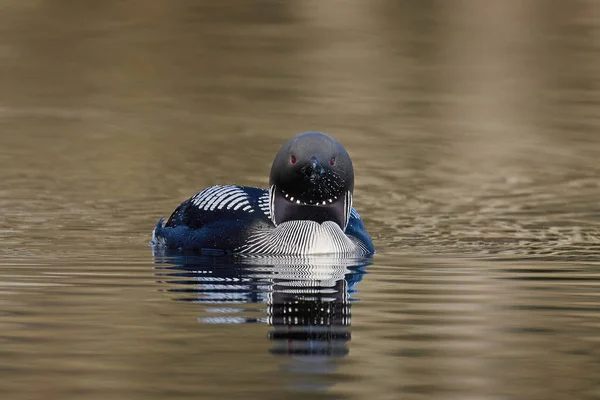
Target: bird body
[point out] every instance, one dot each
(306, 210)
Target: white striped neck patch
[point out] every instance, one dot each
(302, 238)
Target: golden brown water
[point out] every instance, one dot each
(474, 131)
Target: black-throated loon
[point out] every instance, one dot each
(306, 210)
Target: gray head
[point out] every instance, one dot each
(311, 179)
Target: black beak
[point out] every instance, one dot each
(313, 170)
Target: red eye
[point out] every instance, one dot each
(293, 159)
(332, 162)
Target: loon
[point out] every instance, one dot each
(306, 210)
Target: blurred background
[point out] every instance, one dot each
(473, 127)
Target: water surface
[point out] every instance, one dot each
(474, 134)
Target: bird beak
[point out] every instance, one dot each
(313, 169)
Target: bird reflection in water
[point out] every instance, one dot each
(308, 299)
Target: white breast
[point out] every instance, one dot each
(302, 238)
